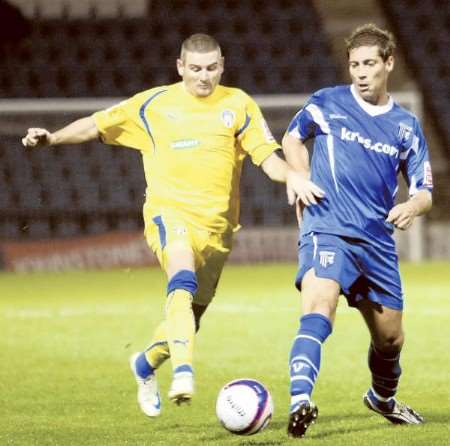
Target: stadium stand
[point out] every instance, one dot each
(427, 25)
(271, 47)
(78, 190)
(275, 48)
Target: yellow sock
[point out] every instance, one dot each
(180, 328)
(158, 351)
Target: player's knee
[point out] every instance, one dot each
(389, 342)
(317, 302)
(319, 295)
(183, 280)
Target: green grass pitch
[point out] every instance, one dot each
(65, 340)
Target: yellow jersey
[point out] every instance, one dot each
(192, 149)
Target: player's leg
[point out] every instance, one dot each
(387, 337)
(382, 311)
(210, 256)
(319, 301)
(145, 364)
(325, 268)
(208, 276)
(158, 351)
(385, 326)
(171, 244)
(180, 323)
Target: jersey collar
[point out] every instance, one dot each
(372, 110)
(202, 100)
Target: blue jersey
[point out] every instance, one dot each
(359, 150)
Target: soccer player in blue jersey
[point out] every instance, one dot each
(363, 139)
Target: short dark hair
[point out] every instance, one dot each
(370, 35)
(199, 43)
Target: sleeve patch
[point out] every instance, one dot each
(267, 133)
(427, 175)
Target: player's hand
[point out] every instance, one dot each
(302, 189)
(402, 215)
(299, 206)
(36, 137)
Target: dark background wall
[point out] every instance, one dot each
(282, 46)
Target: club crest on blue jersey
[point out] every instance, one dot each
(228, 118)
(326, 258)
(404, 132)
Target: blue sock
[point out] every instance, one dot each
(384, 404)
(304, 361)
(386, 371)
(143, 368)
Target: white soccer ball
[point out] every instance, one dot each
(244, 406)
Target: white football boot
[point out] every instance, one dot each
(148, 394)
(182, 388)
(394, 411)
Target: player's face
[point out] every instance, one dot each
(201, 72)
(370, 73)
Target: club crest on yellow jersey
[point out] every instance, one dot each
(228, 118)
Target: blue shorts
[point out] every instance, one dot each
(362, 270)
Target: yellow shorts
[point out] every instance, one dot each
(210, 250)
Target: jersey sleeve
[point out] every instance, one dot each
(254, 134)
(309, 120)
(415, 164)
(118, 124)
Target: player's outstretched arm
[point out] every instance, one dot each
(297, 157)
(79, 131)
(296, 154)
(403, 214)
(296, 183)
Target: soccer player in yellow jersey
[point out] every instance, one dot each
(193, 137)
